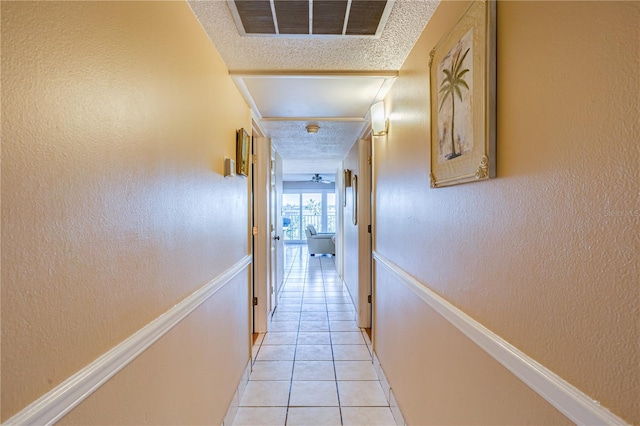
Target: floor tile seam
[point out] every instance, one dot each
(333, 358)
(294, 354)
(293, 364)
(335, 372)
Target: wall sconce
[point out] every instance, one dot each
(379, 123)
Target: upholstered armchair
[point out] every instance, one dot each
(319, 243)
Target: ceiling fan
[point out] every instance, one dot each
(316, 178)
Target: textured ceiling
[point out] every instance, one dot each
(306, 55)
(320, 152)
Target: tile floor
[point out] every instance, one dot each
(314, 366)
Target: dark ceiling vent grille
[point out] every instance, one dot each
(363, 18)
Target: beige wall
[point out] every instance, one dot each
(546, 255)
(116, 119)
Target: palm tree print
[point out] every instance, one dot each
(450, 87)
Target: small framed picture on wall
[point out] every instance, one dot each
(243, 152)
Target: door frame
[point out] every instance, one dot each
(261, 234)
(365, 293)
(276, 254)
(266, 285)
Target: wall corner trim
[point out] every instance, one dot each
(53, 405)
(566, 398)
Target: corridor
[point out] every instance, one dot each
(314, 366)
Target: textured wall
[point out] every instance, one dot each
(116, 119)
(546, 255)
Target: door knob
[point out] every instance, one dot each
(277, 237)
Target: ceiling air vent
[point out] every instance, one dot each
(321, 18)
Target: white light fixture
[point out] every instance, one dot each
(313, 128)
(379, 123)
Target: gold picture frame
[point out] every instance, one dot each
(243, 152)
(462, 71)
(354, 194)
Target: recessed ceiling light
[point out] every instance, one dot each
(313, 128)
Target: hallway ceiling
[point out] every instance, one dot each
(291, 81)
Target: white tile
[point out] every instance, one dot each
(314, 370)
(336, 294)
(289, 302)
(314, 316)
(280, 338)
(276, 353)
(343, 326)
(339, 299)
(285, 316)
(289, 308)
(254, 416)
(272, 370)
(283, 326)
(335, 286)
(350, 353)
(307, 416)
(294, 285)
(355, 370)
(314, 325)
(313, 338)
(266, 394)
(346, 338)
(314, 307)
(314, 353)
(313, 300)
(339, 307)
(314, 394)
(361, 394)
(370, 416)
(342, 316)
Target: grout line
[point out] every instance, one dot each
(295, 350)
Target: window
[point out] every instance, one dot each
(300, 209)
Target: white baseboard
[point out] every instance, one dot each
(237, 396)
(53, 405)
(566, 398)
(388, 393)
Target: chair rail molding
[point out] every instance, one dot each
(53, 405)
(566, 398)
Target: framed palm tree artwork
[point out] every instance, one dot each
(462, 70)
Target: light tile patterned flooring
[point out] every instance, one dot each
(314, 366)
